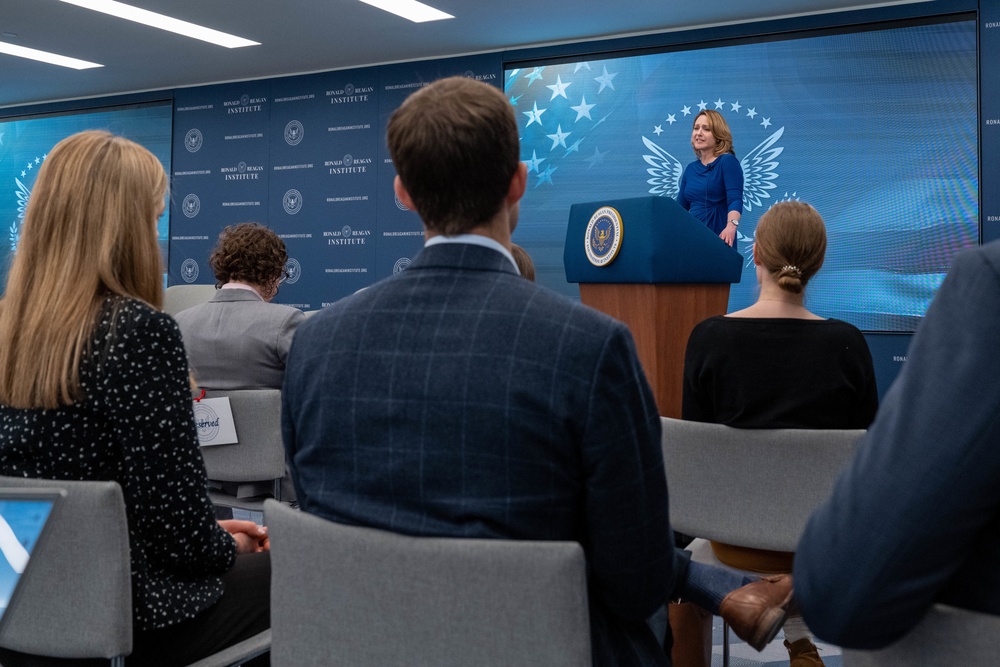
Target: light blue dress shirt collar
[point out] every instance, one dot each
(473, 239)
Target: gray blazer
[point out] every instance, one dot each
(238, 341)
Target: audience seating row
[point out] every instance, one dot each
(359, 596)
(748, 487)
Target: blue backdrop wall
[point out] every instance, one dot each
(307, 156)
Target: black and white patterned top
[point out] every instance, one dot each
(135, 425)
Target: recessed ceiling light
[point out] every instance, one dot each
(415, 11)
(146, 17)
(46, 57)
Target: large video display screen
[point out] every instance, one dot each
(26, 141)
(876, 128)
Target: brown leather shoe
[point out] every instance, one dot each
(757, 611)
(803, 653)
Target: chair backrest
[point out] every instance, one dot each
(76, 600)
(750, 487)
(344, 595)
(946, 636)
(180, 297)
(259, 455)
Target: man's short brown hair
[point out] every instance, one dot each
(455, 147)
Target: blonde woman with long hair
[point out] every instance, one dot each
(94, 386)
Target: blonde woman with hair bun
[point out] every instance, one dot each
(94, 386)
(776, 364)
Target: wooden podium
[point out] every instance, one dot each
(670, 273)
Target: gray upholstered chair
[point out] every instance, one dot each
(344, 595)
(259, 456)
(180, 297)
(76, 600)
(748, 487)
(946, 636)
(89, 527)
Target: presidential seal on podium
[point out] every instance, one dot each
(603, 238)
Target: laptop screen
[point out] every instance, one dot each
(24, 514)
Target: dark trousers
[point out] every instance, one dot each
(242, 611)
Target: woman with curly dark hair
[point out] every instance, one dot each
(239, 340)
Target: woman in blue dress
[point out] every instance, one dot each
(712, 186)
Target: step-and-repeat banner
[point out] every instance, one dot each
(989, 117)
(306, 156)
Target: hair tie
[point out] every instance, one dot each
(792, 269)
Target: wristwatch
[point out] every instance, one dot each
(736, 223)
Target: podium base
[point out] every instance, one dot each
(660, 317)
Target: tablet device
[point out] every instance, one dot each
(24, 515)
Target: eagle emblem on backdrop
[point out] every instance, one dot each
(760, 165)
(22, 193)
(293, 271)
(294, 132)
(292, 202)
(189, 270)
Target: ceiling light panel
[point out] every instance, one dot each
(152, 19)
(46, 57)
(415, 11)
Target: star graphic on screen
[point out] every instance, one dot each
(766, 122)
(671, 119)
(685, 111)
(23, 173)
(37, 160)
(30, 165)
(546, 176)
(535, 115)
(658, 130)
(534, 162)
(1, 138)
(605, 80)
(752, 112)
(559, 88)
(596, 158)
(580, 66)
(583, 110)
(702, 105)
(534, 75)
(559, 138)
(513, 100)
(574, 147)
(719, 103)
(736, 106)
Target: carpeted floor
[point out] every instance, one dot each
(774, 655)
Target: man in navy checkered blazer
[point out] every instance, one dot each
(458, 399)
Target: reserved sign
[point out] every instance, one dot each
(214, 419)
